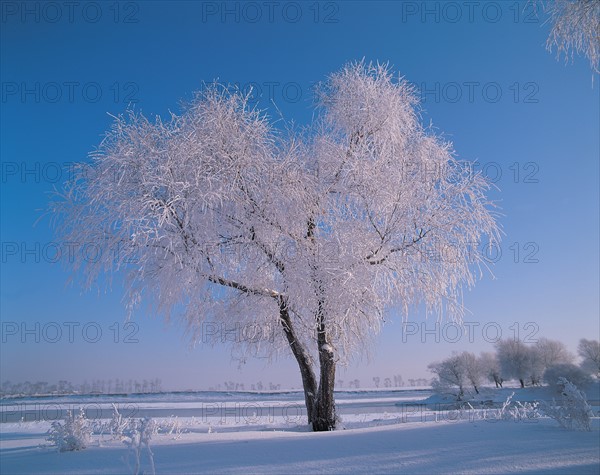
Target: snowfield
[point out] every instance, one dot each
(385, 431)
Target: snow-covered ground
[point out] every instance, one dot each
(389, 431)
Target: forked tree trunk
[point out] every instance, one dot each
(309, 382)
(320, 402)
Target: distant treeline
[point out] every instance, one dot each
(99, 386)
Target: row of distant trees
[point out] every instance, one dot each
(529, 364)
(395, 381)
(233, 386)
(119, 386)
(99, 386)
(544, 361)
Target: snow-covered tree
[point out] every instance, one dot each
(589, 351)
(450, 376)
(575, 27)
(491, 368)
(218, 216)
(473, 369)
(568, 371)
(552, 352)
(515, 360)
(544, 354)
(456, 372)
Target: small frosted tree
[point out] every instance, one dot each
(450, 376)
(589, 351)
(473, 369)
(544, 354)
(219, 216)
(553, 352)
(491, 368)
(515, 360)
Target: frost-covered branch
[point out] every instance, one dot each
(575, 28)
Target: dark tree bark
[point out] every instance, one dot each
(324, 412)
(320, 402)
(309, 382)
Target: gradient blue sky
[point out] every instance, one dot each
(518, 110)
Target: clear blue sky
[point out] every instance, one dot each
(488, 85)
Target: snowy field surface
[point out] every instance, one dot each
(384, 431)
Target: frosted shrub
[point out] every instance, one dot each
(136, 436)
(573, 411)
(72, 434)
(172, 427)
(517, 410)
(118, 424)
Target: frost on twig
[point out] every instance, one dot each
(575, 29)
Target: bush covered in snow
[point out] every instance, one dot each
(517, 410)
(573, 411)
(72, 434)
(567, 371)
(136, 436)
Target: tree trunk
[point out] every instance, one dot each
(522, 383)
(324, 411)
(320, 402)
(309, 382)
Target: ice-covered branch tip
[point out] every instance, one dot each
(575, 28)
